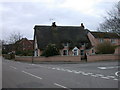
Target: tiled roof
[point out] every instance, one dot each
(105, 35)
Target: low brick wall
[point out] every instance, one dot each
(101, 57)
(48, 59)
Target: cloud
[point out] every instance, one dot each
(23, 15)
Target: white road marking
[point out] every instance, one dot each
(117, 73)
(109, 67)
(69, 70)
(105, 77)
(59, 85)
(13, 67)
(31, 74)
(115, 79)
(111, 76)
(94, 75)
(63, 69)
(77, 72)
(53, 68)
(32, 64)
(57, 68)
(85, 73)
(99, 75)
(90, 73)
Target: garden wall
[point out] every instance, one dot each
(101, 57)
(48, 59)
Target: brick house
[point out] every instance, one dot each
(7, 48)
(71, 40)
(99, 37)
(24, 45)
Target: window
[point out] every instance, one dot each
(82, 43)
(82, 52)
(101, 40)
(65, 44)
(75, 51)
(113, 41)
(65, 52)
(92, 51)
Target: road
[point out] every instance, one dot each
(82, 75)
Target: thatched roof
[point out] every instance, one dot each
(60, 34)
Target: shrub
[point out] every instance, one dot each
(105, 48)
(25, 53)
(50, 50)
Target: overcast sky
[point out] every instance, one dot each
(22, 16)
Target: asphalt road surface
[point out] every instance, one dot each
(103, 74)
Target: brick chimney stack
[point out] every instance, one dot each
(82, 25)
(54, 24)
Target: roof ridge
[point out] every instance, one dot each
(51, 26)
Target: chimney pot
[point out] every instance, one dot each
(54, 24)
(82, 25)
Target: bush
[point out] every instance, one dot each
(25, 53)
(51, 50)
(105, 48)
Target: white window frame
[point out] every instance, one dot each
(75, 51)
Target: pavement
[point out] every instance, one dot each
(17, 74)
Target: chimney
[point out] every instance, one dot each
(54, 24)
(82, 25)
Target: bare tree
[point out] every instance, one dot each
(15, 36)
(112, 21)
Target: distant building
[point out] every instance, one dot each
(99, 37)
(20, 46)
(7, 48)
(24, 44)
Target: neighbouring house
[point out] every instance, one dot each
(71, 40)
(7, 48)
(23, 45)
(99, 37)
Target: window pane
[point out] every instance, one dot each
(65, 52)
(82, 52)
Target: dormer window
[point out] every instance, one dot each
(66, 44)
(82, 43)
